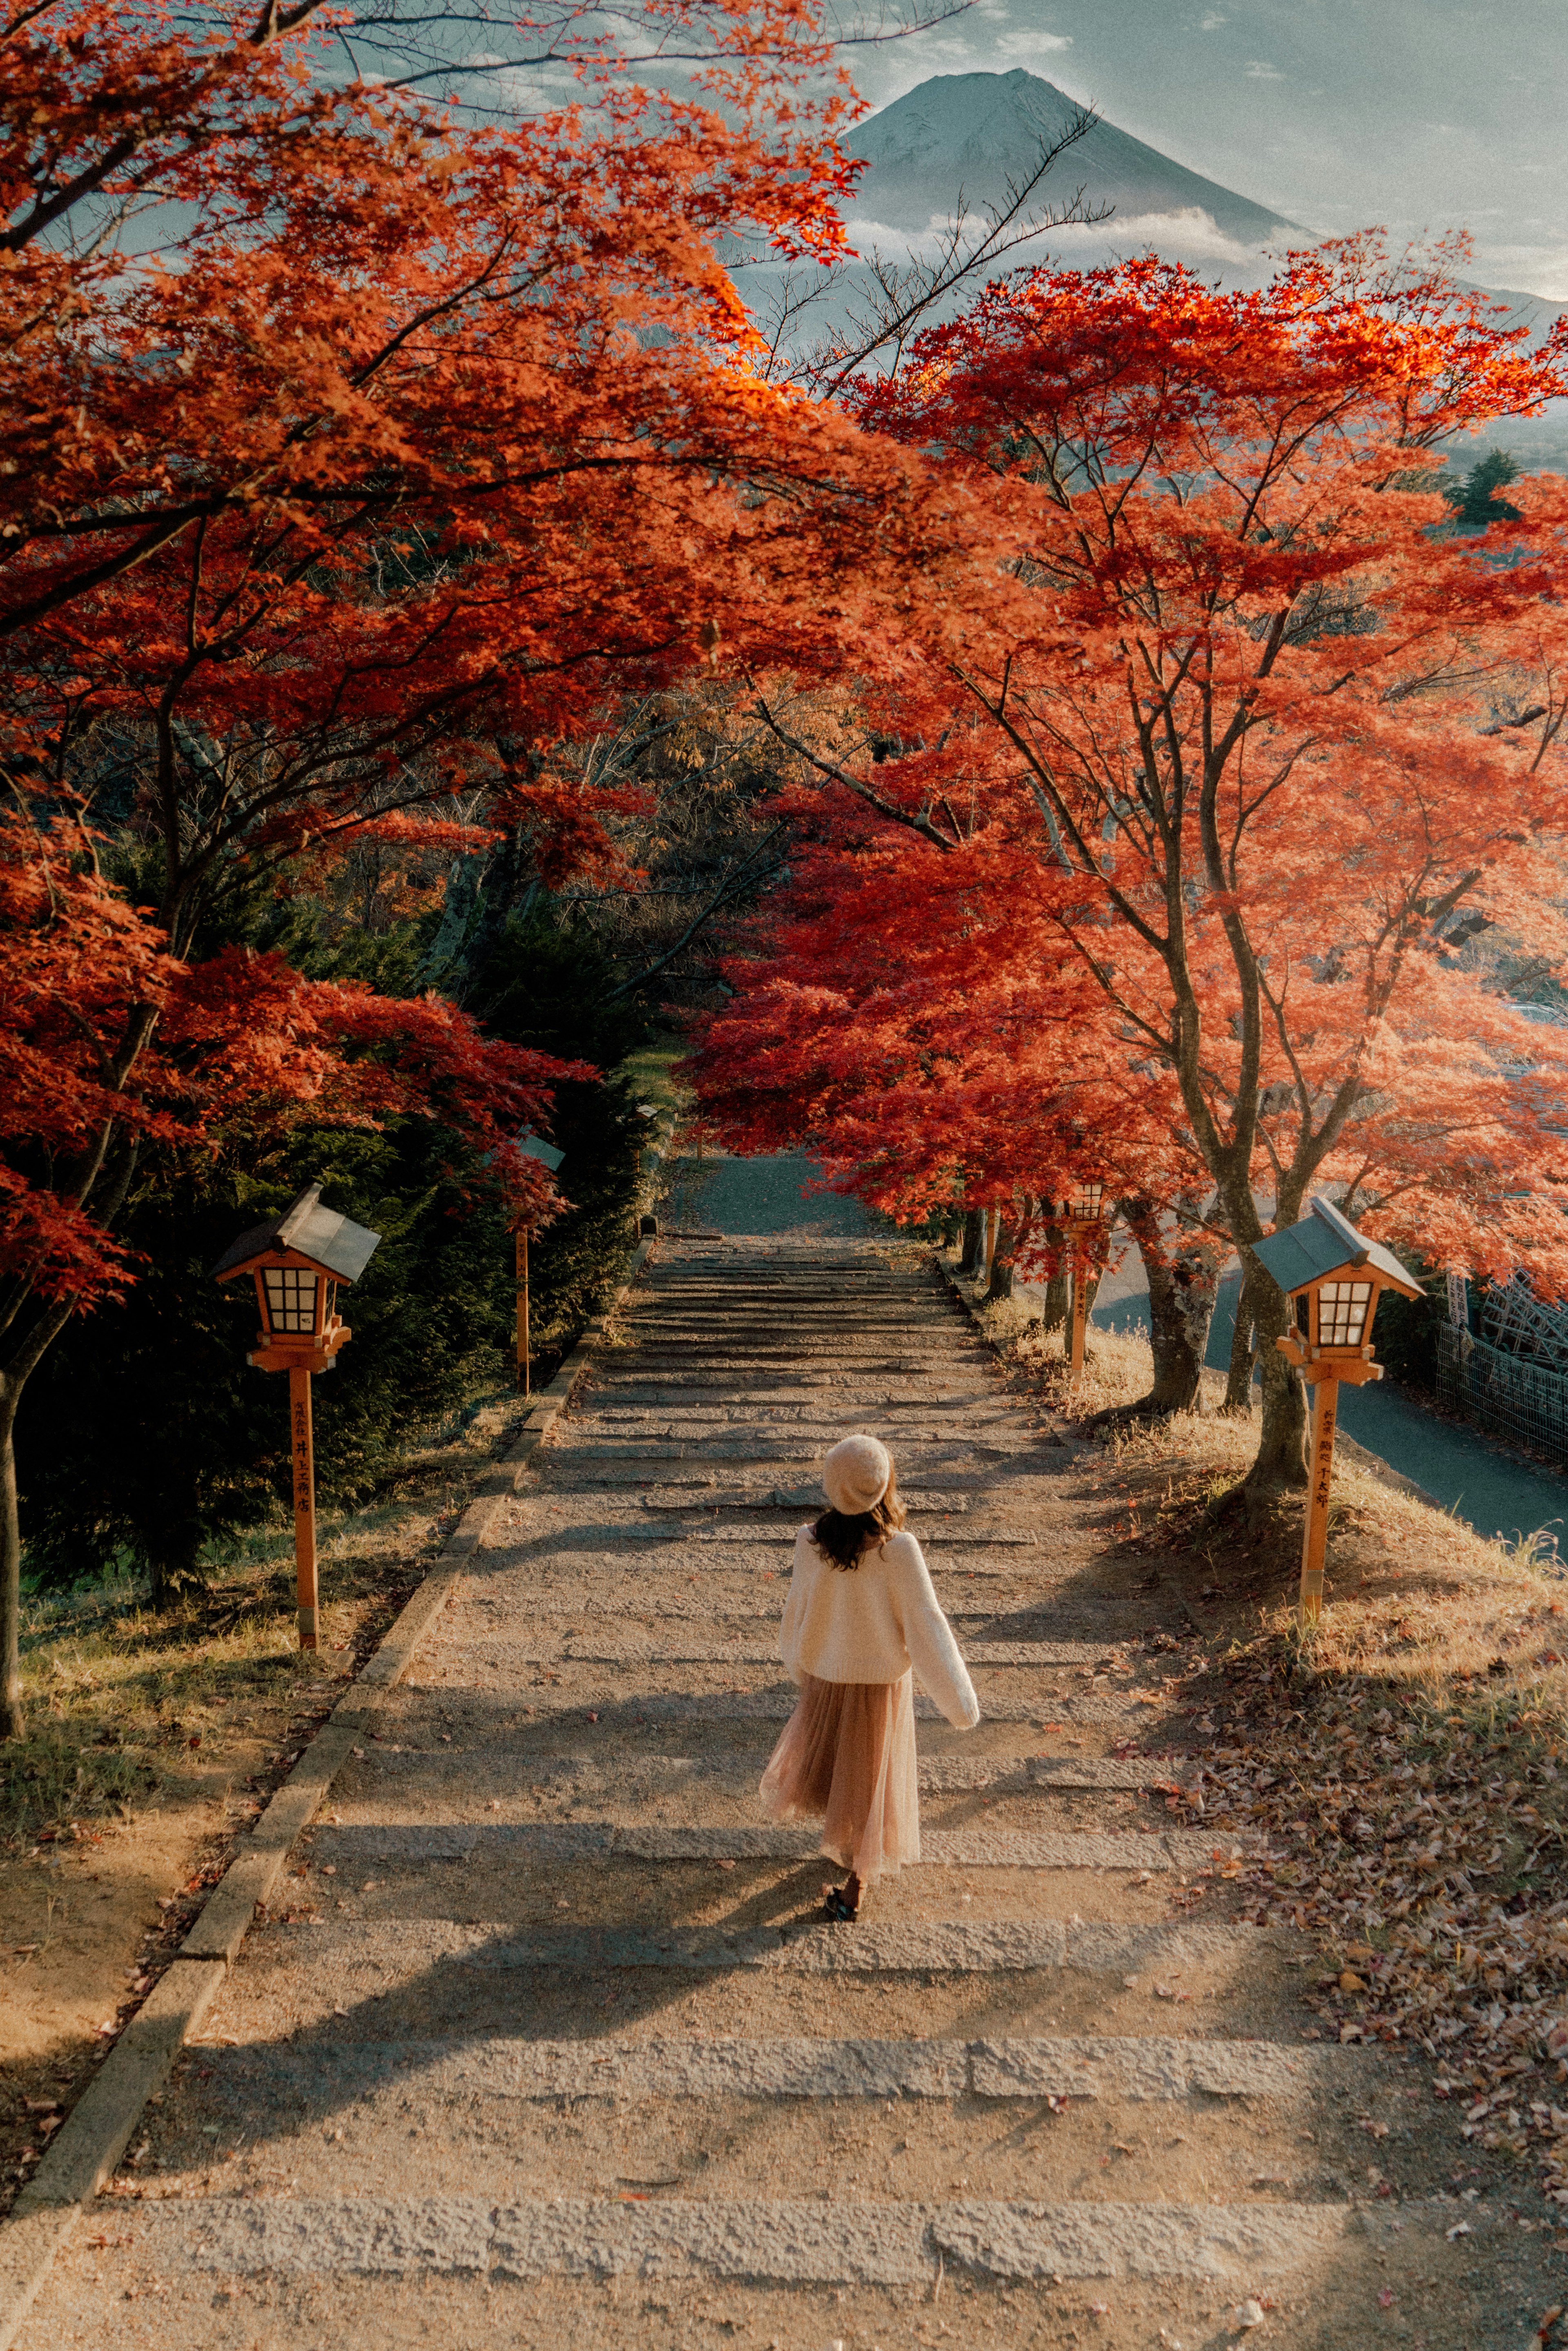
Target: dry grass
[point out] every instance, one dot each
(122, 1701)
(1403, 1765)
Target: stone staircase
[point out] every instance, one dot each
(546, 2043)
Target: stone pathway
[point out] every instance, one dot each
(547, 2044)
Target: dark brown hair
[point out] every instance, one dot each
(845, 1537)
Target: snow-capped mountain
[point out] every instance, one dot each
(966, 135)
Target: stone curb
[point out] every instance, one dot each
(49, 2209)
(89, 2146)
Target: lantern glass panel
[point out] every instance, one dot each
(290, 1300)
(1086, 1199)
(1341, 1313)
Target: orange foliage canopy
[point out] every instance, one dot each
(1248, 709)
(349, 454)
(410, 437)
(107, 1042)
(1239, 731)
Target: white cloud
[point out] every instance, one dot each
(1257, 70)
(1212, 23)
(1029, 44)
(1541, 269)
(1191, 234)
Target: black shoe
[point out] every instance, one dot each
(836, 1906)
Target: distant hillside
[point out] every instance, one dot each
(972, 132)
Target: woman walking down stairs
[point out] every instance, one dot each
(552, 2045)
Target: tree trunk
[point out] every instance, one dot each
(1238, 1402)
(1282, 1459)
(1057, 1287)
(974, 1241)
(25, 1356)
(13, 1376)
(1184, 1281)
(1001, 1281)
(12, 1720)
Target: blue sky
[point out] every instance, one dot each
(1411, 114)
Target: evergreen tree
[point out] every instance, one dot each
(1475, 501)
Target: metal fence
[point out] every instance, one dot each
(1511, 1373)
(1502, 1354)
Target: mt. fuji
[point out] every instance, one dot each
(968, 134)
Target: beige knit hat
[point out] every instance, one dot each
(856, 1474)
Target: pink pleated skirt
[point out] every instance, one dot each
(847, 1756)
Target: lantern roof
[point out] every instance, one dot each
(1324, 1244)
(531, 1148)
(332, 1242)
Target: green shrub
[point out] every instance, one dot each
(146, 1442)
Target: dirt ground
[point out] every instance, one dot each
(153, 1742)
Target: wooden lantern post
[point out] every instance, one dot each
(1083, 1212)
(531, 1147)
(302, 1447)
(298, 1260)
(1333, 1276)
(524, 1355)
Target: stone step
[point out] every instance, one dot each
(769, 1343)
(630, 1376)
(760, 2240)
(1161, 2069)
(376, 1955)
(737, 1479)
(663, 1547)
(825, 1308)
(739, 1649)
(945, 1350)
(597, 1461)
(914, 1289)
(789, 1369)
(793, 1424)
(614, 1710)
(917, 1500)
(514, 1765)
(823, 1323)
(352, 1846)
(776, 1701)
(616, 1517)
(734, 1602)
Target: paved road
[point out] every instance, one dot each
(1480, 1482)
(547, 2045)
(773, 1196)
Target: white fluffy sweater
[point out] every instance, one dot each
(871, 1623)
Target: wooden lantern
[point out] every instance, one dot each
(530, 1145)
(1083, 1209)
(298, 1260)
(1333, 1276)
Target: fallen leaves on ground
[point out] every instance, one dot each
(1419, 1832)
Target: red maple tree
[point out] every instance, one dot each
(110, 1046)
(1247, 743)
(909, 1011)
(411, 441)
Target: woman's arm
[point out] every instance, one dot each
(928, 1636)
(800, 1580)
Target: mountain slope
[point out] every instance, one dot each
(975, 131)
